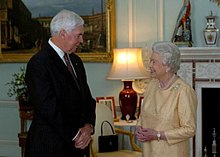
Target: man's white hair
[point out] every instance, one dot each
(65, 19)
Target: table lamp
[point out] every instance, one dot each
(127, 66)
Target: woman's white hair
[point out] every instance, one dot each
(170, 54)
(65, 19)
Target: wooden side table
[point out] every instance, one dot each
(124, 140)
(26, 113)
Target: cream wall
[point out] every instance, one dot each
(138, 22)
(141, 22)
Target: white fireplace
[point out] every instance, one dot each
(200, 67)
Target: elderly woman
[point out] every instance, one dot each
(168, 114)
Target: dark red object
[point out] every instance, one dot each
(128, 101)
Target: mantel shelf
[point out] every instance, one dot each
(189, 53)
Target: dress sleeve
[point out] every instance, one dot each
(186, 110)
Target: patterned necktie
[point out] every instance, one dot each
(70, 68)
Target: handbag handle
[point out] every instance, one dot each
(109, 125)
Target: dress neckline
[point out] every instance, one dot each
(169, 83)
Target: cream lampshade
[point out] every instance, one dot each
(127, 66)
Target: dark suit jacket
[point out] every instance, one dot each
(60, 107)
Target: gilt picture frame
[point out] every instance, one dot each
(92, 23)
(109, 102)
(216, 1)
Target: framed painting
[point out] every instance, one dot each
(24, 32)
(109, 102)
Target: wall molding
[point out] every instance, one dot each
(160, 20)
(9, 142)
(133, 22)
(130, 23)
(8, 104)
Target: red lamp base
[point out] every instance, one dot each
(128, 101)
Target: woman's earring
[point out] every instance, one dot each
(167, 69)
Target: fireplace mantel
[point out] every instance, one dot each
(188, 53)
(200, 67)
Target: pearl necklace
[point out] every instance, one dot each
(169, 83)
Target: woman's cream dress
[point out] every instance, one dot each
(173, 111)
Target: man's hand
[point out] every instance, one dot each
(84, 137)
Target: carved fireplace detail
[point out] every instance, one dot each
(200, 67)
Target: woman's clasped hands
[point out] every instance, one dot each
(145, 134)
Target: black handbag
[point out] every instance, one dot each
(108, 143)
